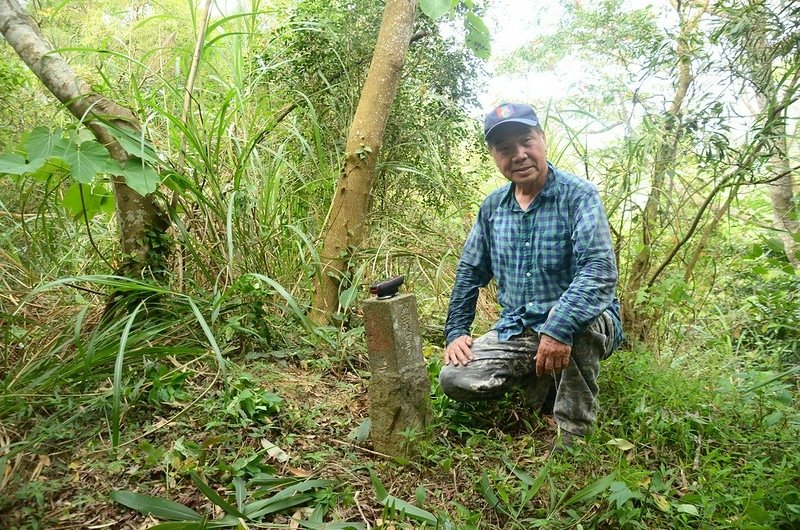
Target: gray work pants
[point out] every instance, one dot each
(500, 365)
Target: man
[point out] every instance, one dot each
(544, 237)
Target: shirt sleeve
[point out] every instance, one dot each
(592, 289)
(473, 272)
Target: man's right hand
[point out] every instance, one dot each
(458, 352)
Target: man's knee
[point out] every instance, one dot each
(465, 384)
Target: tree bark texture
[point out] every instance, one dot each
(140, 218)
(345, 227)
(785, 212)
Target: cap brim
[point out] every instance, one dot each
(530, 123)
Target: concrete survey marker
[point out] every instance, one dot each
(399, 388)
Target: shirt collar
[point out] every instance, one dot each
(550, 188)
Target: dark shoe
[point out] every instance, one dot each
(549, 402)
(564, 442)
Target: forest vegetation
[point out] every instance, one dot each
(194, 197)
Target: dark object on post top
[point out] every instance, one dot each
(386, 288)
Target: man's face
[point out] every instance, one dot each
(520, 153)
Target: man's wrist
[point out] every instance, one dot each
(556, 334)
(453, 335)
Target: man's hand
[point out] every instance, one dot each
(552, 355)
(458, 351)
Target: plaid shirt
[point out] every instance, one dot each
(557, 254)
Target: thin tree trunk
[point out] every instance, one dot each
(664, 161)
(706, 235)
(141, 219)
(782, 193)
(345, 227)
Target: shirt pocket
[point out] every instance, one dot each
(554, 252)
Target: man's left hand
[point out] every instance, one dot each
(552, 355)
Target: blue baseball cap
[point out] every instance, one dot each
(509, 113)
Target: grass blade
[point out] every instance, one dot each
(115, 403)
(591, 491)
(215, 497)
(156, 506)
(211, 340)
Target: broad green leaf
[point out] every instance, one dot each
(347, 297)
(434, 9)
(691, 509)
(288, 497)
(140, 176)
(361, 433)
(475, 23)
(226, 522)
(661, 502)
(380, 491)
(86, 160)
(408, 509)
(241, 491)
(621, 493)
(50, 166)
(279, 505)
(478, 38)
(773, 418)
(156, 506)
(488, 492)
(14, 164)
(43, 143)
(134, 143)
(621, 444)
(96, 199)
(331, 526)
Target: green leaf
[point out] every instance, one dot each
(475, 23)
(691, 509)
(140, 176)
(134, 143)
(96, 199)
(361, 433)
(86, 160)
(156, 506)
(621, 444)
(478, 38)
(621, 493)
(215, 497)
(291, 496)
(434, 9)
(380, 491)
(347, 297)
(408, 509)
(226, 522)
(488, 492)
(591, 491)
(42, 143)
(399, 504)
(14, 164)
(241, 491)
(773, 418)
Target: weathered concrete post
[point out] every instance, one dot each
(399, 388)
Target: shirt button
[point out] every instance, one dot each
(528, 274)
(530, 303)
(527, 244)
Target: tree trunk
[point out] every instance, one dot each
(688, 271)
(345, 227)
(141, 219)
(635, 322)
(785, 210)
